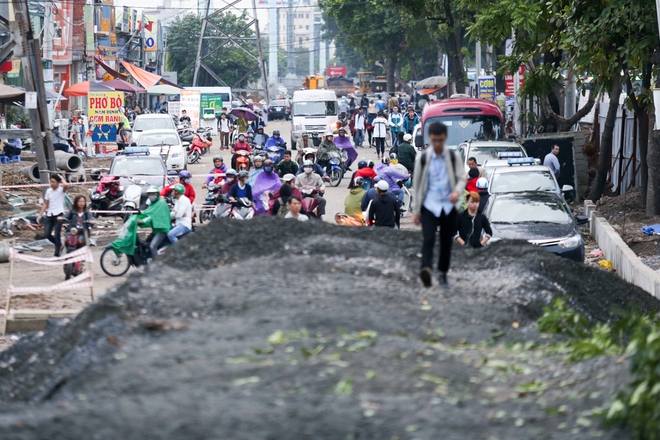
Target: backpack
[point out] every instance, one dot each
(284, 208)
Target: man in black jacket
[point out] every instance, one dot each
(384, 211)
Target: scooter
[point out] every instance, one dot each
(242, 210)
(210, 202)
(309, 203)
(335, 169)
(276, 153)
(75, 239)
(107, 196)
(223, 208)
(199, 147)
(116, 265)
(242, 160)
(135, 197)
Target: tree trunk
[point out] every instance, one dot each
(413, 65)
(653, 162)
(605, 158)
(391, 67)
(643, 134)
(454, 45)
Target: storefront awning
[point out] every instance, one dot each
(429, 91)
(146, 79)
(111, 71)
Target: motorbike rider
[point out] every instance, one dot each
(367, 171)
(79, 216)
(286, 165)
(59, 142)
(182, 214)
(391, 176)
(215, 175)
(260, 138)
(343, 142)
(275, 140)
(311, 179)
(353, 201)
(257, 169)
(184, 117)
(407, 153)
(326, 149)
(361, 164)
(303, 142)
(229, 182)
(184, 180)
(384, 210)
(484, 195)
(240, 145)
(157, 217)
(318, 169)
(265, 183)
(240, 189)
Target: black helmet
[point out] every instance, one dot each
(362, 164)
(276, 132)
(386, 160)
(242, 174)
(359, 181)
(371, 164)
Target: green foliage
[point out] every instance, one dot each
(229, 63)
(563, 320)
(17, 116)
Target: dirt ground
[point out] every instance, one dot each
(272, 329)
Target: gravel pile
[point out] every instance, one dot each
(271, 329)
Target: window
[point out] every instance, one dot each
(307, 16)
(307, 27)
(300, 42)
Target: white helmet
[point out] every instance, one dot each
(482, 183)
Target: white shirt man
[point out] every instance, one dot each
(182, 215)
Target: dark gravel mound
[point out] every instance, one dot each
(281, 330)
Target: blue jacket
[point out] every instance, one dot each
(408, 125)
(274, 142)
(318, 169)
(380, 105)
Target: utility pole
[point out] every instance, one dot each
(290, 37)
(48, 46)
(312, 43)
(477, 65)
(143, 56)
(27, 47)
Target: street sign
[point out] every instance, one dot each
(486, 87)
(508, 81)
(31, 100)
(150, 42)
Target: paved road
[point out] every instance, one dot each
(334, 196)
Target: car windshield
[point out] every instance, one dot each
(522, 181)
(278, 103)
(462, 128)
(529, 210)
(315, 108)
(482, 154)
(145, 166)
(142, 124)
(150, 140)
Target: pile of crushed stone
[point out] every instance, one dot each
(273, 329)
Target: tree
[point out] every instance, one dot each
(230, 63)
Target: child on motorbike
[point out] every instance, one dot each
(184, 179)
(215, 175)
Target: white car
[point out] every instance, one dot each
(152, 121)
(167, 144)
(524, 175)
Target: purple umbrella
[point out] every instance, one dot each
(249, 114)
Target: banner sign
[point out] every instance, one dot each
(62, 13)
(103, 111)
(508, 81)
(210, 100)
(90, 45)
(335, 71)
(174, 108)
(487, 87)
(191, 102)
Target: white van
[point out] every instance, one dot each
(312, 111)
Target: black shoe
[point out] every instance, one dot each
(442, 281)
(425, 276)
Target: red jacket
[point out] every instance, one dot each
(471, 185)
(366, 173)
(190, 191)
(238, 146)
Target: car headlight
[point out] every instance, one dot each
(175, 155)
(571, 242)
(297, 127)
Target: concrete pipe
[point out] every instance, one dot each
(4, 255)
(76, 176)
(67, 162)
(31, 172)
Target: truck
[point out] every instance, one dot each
(341, 85)
(314, 82)
(313, 111)
(369, 83)
(466, 119)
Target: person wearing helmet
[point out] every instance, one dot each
(309, 178)
(471, 183)
(368, 197)
(265, 183)
(367, 172)
(230, 180)
(217, 172)
(240, 145)
(326, 150)
(258, 168)
(275, 140)
(184, 179)
(384, 211)
(353, 201)
(260, 138)
(59, 142)
(394, 162)
(157, 217)
(484, 195)
(303, 143)
(182, 214)
(392, 176)
(240, 189)
(407, 153)
(318, 169)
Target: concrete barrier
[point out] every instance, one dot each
(626, 263)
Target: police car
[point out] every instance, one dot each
(522, 174)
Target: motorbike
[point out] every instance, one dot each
(345, 220)
(309, 203)
(223, 207)
(116, 265)
(135, 197)
(275, 153)
(107, 196)
(242, 209)
(406, 206)
(259, 141)
(75, 239)
(335, 168)
(199, 146)
(242, 160)
(210, 202)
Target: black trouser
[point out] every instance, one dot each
(53, 232)
(61, 146)
(321, 208)
(430, 223)
(380, 146)
(11, 151)
(158, 239)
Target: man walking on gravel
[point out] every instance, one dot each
(438, 183)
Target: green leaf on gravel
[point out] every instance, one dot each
(276, 338)
(370, 374)
(344, 386)
(583, 421)
(245, 381)
(535, 386)
(313, 352)
(267, 350)
(434, 379)
(239, 360)
(520, 422)
(412, 428)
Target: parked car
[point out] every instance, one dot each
(151, 121)
(137, 162)
(523, 175)
(167, 144)
(279, 109)
(542, 218)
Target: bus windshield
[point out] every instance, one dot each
(315, 108)
(461, 128)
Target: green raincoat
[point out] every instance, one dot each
(156, 216)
